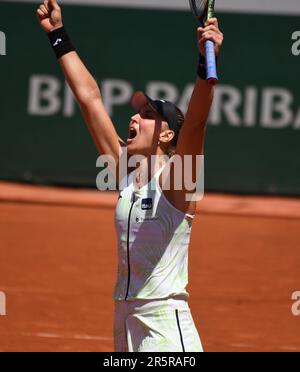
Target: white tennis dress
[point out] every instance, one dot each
(151, 309)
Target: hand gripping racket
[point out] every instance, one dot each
(203, 10)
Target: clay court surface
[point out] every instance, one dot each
(58, 266)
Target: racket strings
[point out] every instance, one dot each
(199, 8)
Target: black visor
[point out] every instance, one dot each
(166, 109)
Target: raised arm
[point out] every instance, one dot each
(192, 134)
(82, 84)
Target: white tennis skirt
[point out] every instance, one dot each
(155, 326)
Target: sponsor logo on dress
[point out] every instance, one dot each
(147, 204)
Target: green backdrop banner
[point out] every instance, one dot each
(254, 127)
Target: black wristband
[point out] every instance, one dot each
(60, 42)
(202, 67)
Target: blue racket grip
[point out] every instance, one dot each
(211, 66)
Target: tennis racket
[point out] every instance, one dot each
(203, 10)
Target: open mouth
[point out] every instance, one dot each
(132, 133)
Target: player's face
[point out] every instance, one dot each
(144, 132)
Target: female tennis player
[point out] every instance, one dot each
(153, 223)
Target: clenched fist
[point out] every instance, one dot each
(49, 15)
(211, 32)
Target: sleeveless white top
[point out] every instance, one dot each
(153, 239)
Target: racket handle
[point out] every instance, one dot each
(211, 66)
